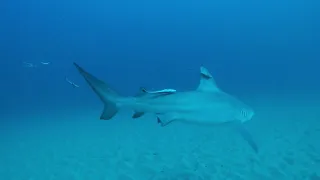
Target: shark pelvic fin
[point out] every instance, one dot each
(207, 82)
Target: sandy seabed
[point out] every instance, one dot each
(74, 144)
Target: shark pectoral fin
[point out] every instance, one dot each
(164, 122)
(165, 119)
(247, 137)
(137, 115)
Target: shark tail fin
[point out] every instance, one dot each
(105, 93)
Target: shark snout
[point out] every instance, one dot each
(250, 114)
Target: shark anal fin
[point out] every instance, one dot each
(137, 115)
(247, 137)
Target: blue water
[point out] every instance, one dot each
(265, 52)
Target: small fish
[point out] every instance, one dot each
(45, 63)
(29, 65)
(163, 91)
(72, 83)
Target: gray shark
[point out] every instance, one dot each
(207, 105)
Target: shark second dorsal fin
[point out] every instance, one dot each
(207, 83)
(142, 92)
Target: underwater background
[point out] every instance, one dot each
(264, 52)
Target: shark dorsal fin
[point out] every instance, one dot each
(207, 83)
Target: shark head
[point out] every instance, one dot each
(242, 112)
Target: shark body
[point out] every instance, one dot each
(207, 105)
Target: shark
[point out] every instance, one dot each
(206, 105)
